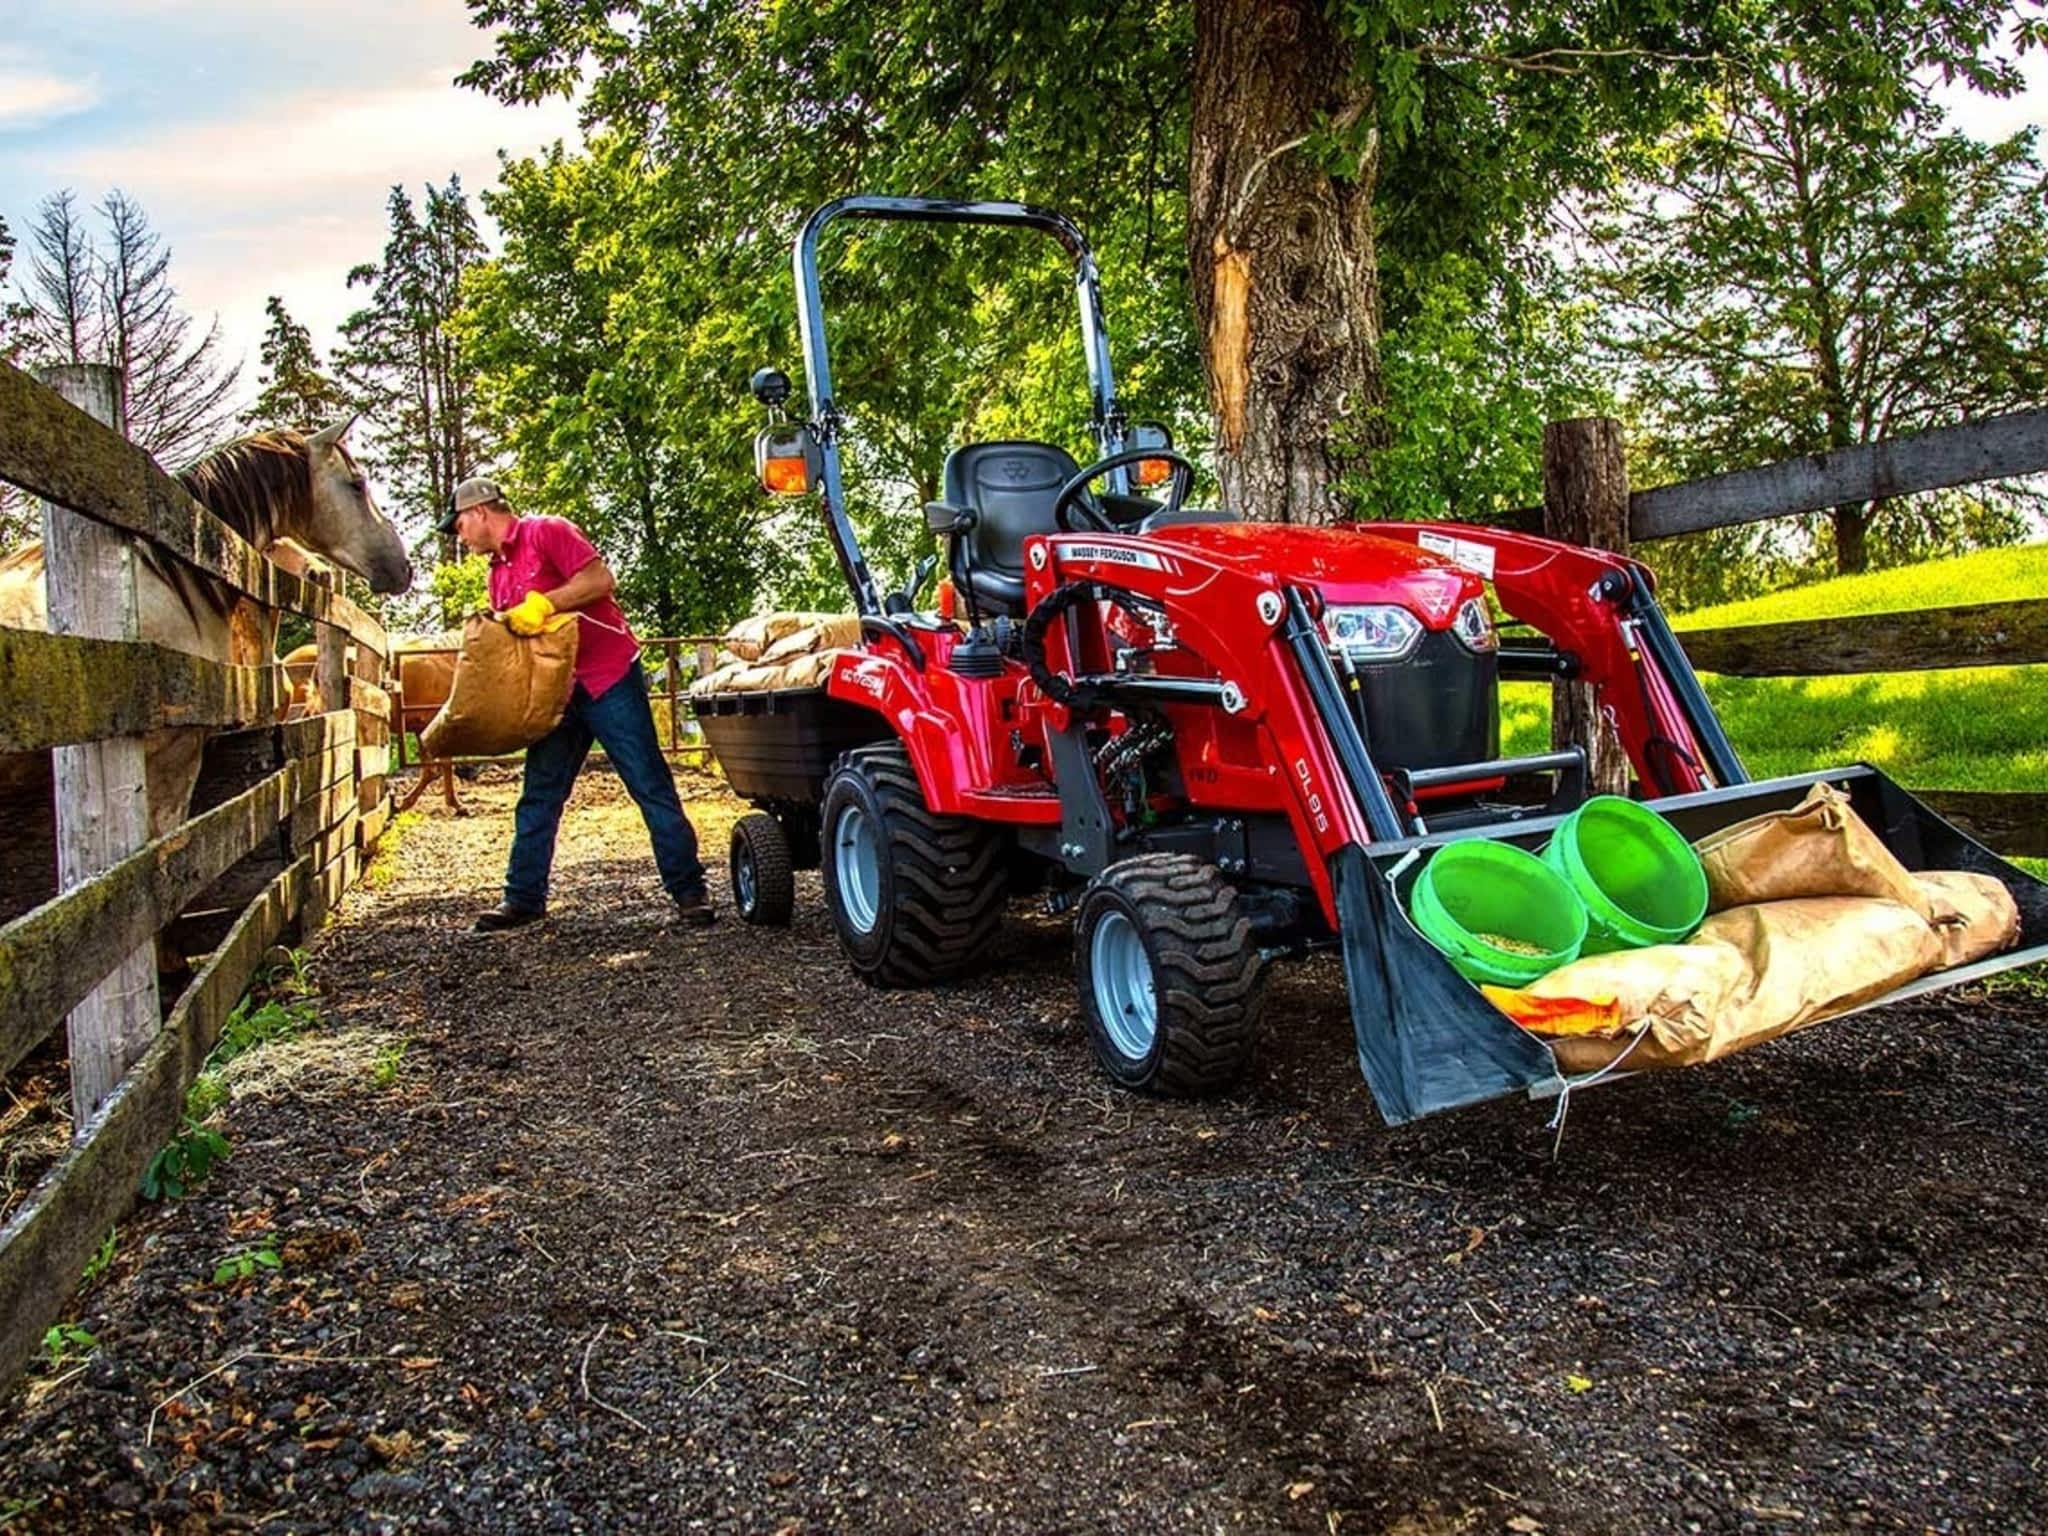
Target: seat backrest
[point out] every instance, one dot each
(1010, 487)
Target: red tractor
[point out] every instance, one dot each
(1216, 741)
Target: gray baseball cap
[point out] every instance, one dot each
(476, 491)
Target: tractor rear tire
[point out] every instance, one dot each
(915, 896)
(1172, 983)
(763, 882)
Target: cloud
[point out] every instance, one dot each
(31, 97)
(323, 145)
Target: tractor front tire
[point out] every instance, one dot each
(763, 881)
(916, 896)
(1171, 981)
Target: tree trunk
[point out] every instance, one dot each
(1285, 273)
(1852, 548)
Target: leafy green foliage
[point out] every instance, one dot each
(182, 1162)
(102, 1259)
(65, 1343)
(295, 389)
(278, 1006)
(1814, 262)
(402, 365)
(246, 1264)
(462, 587)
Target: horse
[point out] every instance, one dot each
(284, 491)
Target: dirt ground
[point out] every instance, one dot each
(668, 1229)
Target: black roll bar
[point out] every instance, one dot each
(1108, 425)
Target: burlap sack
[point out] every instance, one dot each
(1750, 974)
(718, 681)
(750, 638)
(829, 634)
(1821, 847)
(1985, 921)
(509, 690)
(1677, 990)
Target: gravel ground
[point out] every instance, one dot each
(672, 1229)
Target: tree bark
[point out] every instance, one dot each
(1282, 256)
(1585, 502)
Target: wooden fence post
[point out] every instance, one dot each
(102, 787)
(1585, 502)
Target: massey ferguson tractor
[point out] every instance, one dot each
(1216, 741)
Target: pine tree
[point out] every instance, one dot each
(295, 392)
(114, 303)
(400, 362)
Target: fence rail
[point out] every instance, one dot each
(303, 802)
(1587, 501)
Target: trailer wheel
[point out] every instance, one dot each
(1171, 981)
(763, 885)
(915, 896)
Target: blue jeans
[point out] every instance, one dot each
(620, 718)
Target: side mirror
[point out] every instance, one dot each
(770, 387)
(1150, 472)
(786, 459)
(942, 517)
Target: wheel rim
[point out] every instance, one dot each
(856, 860)
(746, 881)
(1122, 974)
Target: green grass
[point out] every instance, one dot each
(1970, 728)
(1988, 576)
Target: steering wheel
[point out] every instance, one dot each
(1077, 512)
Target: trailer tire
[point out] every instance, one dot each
(763, 877)
(915, 896)
(1172, 983)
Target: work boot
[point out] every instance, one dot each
(697, 913)
(504, 915)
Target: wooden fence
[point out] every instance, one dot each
(299, 805)
(1587, 500)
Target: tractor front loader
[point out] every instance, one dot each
(1217, 742)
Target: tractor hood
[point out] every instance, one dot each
(1344, 564)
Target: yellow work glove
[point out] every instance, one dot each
(530, 615)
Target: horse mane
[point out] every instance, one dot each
(247, 482)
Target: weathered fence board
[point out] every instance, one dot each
(44, 1246)
(1997, 448)
(40, 978)
(1930, 639)
(60, 689)
(101, 792)
(55, 451)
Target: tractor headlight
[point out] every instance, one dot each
(1372, 634)
(1474, 626)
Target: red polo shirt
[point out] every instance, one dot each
(539, 554)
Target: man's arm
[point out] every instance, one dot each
(591, 583)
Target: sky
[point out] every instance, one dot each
(262, 137)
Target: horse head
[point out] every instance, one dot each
(341, 519)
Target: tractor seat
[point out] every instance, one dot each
(1010, 488)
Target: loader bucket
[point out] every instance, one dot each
(1428, 1041)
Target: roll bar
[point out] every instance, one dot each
(1108, 423)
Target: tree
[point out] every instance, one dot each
(113, 302)
(400, 363)
(1816, 263)
(615, 409)
(294, 391)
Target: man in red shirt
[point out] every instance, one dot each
(541, 566)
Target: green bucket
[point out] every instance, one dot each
(1480, 887)
(1639, 878)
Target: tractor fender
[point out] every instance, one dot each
(926, 711)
